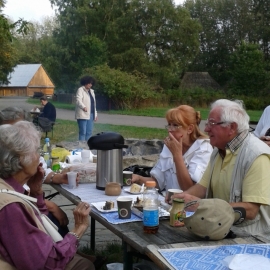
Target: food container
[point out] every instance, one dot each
(112, 189)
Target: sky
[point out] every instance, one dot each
(33, 10)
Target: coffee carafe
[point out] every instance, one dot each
(109, 147)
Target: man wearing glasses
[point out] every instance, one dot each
(239, 167)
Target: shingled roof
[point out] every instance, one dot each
(201, 79)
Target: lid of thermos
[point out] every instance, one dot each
(106, 141)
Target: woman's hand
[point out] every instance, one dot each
(136, 179)
(85, 109)
(35, 182)
(81, 218)
(57, 212)
(176, 147)
(266, 139)
(59, 178)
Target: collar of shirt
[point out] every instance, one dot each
(12, 182)
(237, 141)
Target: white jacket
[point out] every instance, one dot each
(82, 101)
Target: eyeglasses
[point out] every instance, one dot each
(172, 127)
(211, 123)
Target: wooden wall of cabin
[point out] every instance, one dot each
(45, 90)
(13, 91)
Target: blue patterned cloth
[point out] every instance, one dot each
(113, 217)
(209, 258)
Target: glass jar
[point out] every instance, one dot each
(55, 164)
(177, 213)
(150, 208)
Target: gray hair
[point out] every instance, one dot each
(19, 144)
(13, 114)
(233, 111)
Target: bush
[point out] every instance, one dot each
(124, 89)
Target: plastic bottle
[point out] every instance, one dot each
(150, 208)
(47, 152)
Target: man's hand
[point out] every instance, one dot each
(185, 196)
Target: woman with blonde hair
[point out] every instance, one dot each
(185, 154)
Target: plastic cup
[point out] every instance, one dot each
(85, 155)
(72, 179)
(127, 177)
(124, 207)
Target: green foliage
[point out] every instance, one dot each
(196, 97)
(124, 89)
(247, 70)
(225, 24)
(151, 37)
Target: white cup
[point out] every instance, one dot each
(72, 179)
(85, 155)
(171, 192)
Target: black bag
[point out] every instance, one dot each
(45, 124)
(140, 170)
(267, 133)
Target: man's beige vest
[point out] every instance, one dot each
(6, 199)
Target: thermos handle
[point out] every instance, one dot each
(121, 145)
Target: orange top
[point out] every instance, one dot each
(150, 184)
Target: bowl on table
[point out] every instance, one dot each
(112, 189)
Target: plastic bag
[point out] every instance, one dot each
(60, 152)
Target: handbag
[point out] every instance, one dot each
(140, 170)
(49, 226)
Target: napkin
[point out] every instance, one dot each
(247, 262)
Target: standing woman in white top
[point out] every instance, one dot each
(185, 154)
(85, 111)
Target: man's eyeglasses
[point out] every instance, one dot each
(211, 123)
(172, 127)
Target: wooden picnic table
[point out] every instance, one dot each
(137, 243)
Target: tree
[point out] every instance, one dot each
(247, 68)
(225, 23)
(151, 37)
(8, 55)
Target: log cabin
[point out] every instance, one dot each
(28, 80)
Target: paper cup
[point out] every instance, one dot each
(124, 207)
(127, 177)
(85, 155)
(171, 192)
(72, 179)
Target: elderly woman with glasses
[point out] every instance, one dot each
(185, 154)
(24, 241)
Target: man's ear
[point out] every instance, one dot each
(234, 128)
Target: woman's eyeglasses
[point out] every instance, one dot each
(172, 127)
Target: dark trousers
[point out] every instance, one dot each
(63, 230)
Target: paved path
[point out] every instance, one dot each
(103, 118)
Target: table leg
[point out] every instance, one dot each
(128, 258)
(93, 234)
